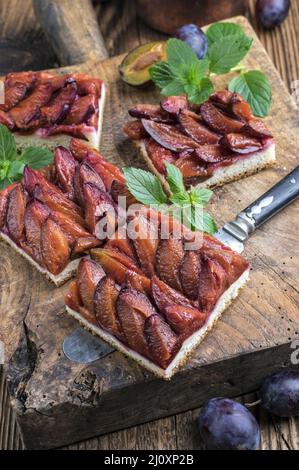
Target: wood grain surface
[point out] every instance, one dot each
(180, 431)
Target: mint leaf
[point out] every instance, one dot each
(200, 92)
(217, 31)
(175, 88)
(180, 199)
(36, 157)
(255, 88)
(200, 196)
(227, 53)
(8, 150)
(175, 179)
(209, 224)
(161, 74)
(16, 170)
(178, 53)
(145, 186)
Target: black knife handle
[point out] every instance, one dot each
(274, 200)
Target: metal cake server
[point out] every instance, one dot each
(81, 346)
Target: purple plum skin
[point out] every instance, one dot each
(279, 393)
(225, 424)
(270, 13)
(194, 37)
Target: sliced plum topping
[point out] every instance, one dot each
(16, 87)
(256, 128)
(168, 136)
(135, 130)
(79, 149)
(169, 256)
(121, 242)
(174, 104)
(164, 296)
(27, 111)
(81, 110)
(162, 341)
(212, 153)
(89, 275)
(133, 308)
(138, 282)
(119, 189)
(193, 126)
(6, 120)
(212, 283)
(54, 246)
(184, 320)
(16, 212)
(219, 121)
(85, 174)
(191, 166)
(105, 298)
(144, 237)
(56, 110)
(35, 216)
(189, 274)
(97, 204)
(72, 298)
(107, 171)
(65, 165)
(241, 143)
(159, 155)
(4, 196)
(85, 244)
(152, 112)
(115, 263)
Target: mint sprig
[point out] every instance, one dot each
(183, 73)
(12, 164)
(186, 205)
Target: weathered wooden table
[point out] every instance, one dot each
(23, 45)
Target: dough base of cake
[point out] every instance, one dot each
(188, 346)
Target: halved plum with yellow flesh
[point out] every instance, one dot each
(134, 69)
(105, 298)
(162, 341)
(133, 308)
(35, 215)
(115, 263)
(169, 136)
(195, 128)
(144, 237)
(65, 166)
(54, 246)
(212, 283)
(189, 274)
(169, 255)
(184, 320)
(16, 212)
(89, 275)
(164, 296)
(219, 121)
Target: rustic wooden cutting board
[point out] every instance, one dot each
(57, 401)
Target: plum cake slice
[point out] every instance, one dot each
(50, 216)
(43, 109)
(151, 297)
(212, 144)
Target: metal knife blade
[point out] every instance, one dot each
(223, 236)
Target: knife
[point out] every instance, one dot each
(236, 232)
(81, 346)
